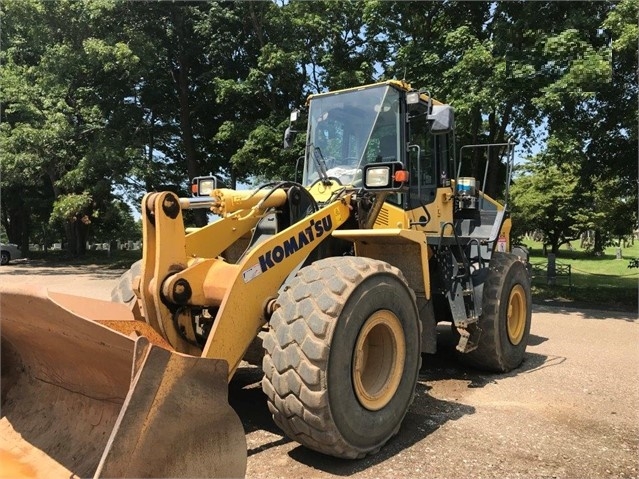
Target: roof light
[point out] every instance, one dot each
(412, 97)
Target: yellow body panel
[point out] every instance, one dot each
(440, 211)
(505, 232)
(391, 216)
(259, 276)
(239, 291)
(388, 245)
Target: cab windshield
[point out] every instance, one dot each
(350, 129)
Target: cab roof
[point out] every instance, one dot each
(397, 84)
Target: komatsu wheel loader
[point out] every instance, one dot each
(337, 282)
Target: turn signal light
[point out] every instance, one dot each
(401, 176)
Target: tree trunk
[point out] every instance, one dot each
(181, 78)
(598, 248)
(476, 153)
(76, 233)
(15, 220)
(26, 230)
(72, 246)
(497, 132)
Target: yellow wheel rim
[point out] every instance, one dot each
(516, 314)
(378, 361)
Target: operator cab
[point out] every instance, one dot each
(383, 123)
(350, 129)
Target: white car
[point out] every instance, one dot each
(8, 252)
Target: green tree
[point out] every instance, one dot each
(547, 198)
(65, 128)
(506, 72)
(105, 99)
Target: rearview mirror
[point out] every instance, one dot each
(289, 137)
(291, 131)
(442, 118)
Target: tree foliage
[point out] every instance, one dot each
(548, 196)
(102, 100)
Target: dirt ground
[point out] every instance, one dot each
(570, 411)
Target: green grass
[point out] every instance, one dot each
(597, 282)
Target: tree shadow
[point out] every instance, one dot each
(586, 312)
(97, 272)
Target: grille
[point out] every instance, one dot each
(382, 218)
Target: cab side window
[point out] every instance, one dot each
(422, 161)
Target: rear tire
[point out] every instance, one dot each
(5, 257)
(506, 317)
(343, 355)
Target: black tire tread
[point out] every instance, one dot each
(297, 351)
(123, 291)
(489, 356)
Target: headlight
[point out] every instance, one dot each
(385, 176)
(206, 187)
(203, 185)
(377, 177)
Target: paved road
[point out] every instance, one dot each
(570, 411)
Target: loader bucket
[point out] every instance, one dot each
(80, 399)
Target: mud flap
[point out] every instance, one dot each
(81, 399)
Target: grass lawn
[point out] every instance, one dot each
(597, 282)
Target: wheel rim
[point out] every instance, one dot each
(516, 314)
(378, 361)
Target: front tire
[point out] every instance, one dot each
(123, 291)
(506, 317)
(343, 356)
(5, 257)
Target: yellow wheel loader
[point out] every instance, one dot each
(336, 283)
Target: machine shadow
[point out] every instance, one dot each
(249, 402)
(445, 363)
(425, 416)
